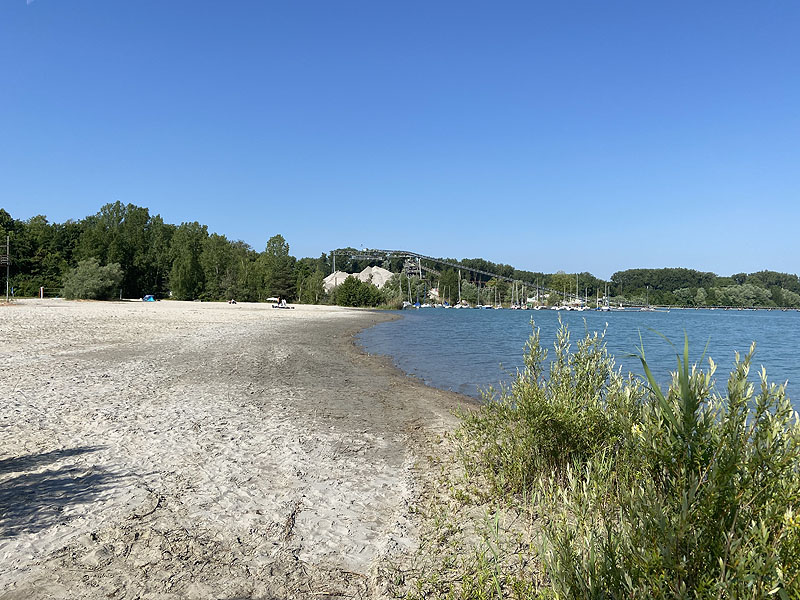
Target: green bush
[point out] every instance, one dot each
(542, 424)
(705, 505)
(354, 292)
(90, 281)
(636, 492)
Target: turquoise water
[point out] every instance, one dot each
(469, 350)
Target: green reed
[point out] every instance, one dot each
(629, 491)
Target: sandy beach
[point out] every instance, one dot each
(204, 450)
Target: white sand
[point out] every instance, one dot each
(188, 450)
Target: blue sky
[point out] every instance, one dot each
(588, 136)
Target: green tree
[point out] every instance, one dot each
(30, 249)
(791, 299)
(561, 282)
(634, 282)
(396, 289)
(278, 268)
(684, 296)
(41, 252)
(6, 223)
(469, 292)
(773, 279)
(743, 295)
(215, 260)
(554, 299)
(700, 297)
(310, 288)
(309, 276)
(186, 277)
(354, 292)
(248, 279)
(400, 287)
(120, 233)
(90, 281)
(448, 285)
(158, 256)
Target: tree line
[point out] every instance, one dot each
(150, 256)
(125, 251)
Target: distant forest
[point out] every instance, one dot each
(144, 255)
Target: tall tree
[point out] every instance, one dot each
(278, 268)
(448, 285)
(310, 288)
(248, 283)
(159, 256)
(217, 268)
(186, 278)
(119, 233)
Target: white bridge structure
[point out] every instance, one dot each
(413, 265)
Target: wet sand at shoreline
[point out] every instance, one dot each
(204, 450)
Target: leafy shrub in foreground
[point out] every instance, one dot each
(645, 494)
(90, 281)
(705, 506)
(542, 424)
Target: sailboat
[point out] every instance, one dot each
(605, 307)
(647, 307)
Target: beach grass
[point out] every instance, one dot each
(584, 483)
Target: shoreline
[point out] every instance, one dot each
(201, 449)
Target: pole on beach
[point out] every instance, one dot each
(8, 265)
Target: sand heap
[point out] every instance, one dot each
(377, 276)
(334, 279)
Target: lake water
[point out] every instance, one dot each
(469, 350)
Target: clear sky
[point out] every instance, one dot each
(583, 136)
